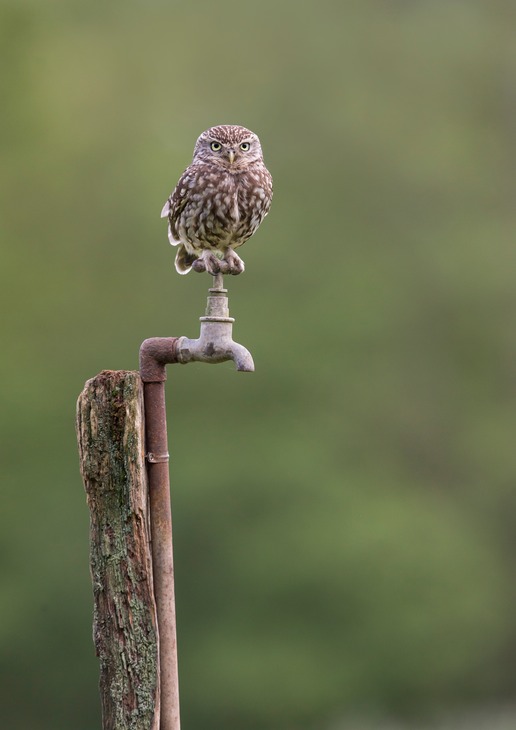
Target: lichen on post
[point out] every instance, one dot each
(110, 436)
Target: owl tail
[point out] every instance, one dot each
(184, 260)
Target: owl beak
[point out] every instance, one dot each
(231, 154)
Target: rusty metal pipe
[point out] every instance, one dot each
(215, 344)
(154, 355)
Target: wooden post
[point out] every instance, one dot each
(111, 446)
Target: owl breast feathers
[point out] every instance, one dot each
(219, 201)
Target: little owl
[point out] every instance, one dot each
(219, 201)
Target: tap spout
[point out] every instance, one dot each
(242, 358)
(214, 348)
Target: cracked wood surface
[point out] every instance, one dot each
(111, 447)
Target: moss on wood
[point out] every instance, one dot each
(110, 436)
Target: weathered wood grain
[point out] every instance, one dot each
(111, 446)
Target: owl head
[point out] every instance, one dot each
(228, 146)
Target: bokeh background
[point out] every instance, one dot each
(345, 517)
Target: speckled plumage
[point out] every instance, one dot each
(219, 201)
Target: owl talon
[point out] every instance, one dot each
(199, 266)
(232, 264)
(235, 264)
(237, 268)
(224, 267)
(209, 262)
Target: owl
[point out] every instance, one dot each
(219, 201)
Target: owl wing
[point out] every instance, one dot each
(175, 204)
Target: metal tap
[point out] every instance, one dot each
(215, 343)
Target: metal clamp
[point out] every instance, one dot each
(157, 458)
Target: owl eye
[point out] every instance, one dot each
(215, 146)
(245, 146)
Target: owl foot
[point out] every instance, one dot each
(208, 261)
(234, 262)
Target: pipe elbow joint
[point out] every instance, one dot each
(155, 353)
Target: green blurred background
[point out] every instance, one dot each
(344, 518)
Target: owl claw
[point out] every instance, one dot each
(199, 266)
(235, 264)
(224, 267)
(209, 262)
